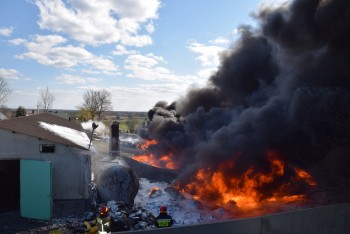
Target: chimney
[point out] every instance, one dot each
(114, 140)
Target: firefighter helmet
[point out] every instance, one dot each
(104, 210)
(163, 209)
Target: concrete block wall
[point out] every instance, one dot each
(333, 219)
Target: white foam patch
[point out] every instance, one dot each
(183, 210)
(77, 137)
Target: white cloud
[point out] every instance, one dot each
(172, 90)
(146, 67)
(138, 40)
(92, 80)
(24, 98)
(48, 50)
(148, 61)
(206, 73)
(219, 40)
(65, 99)
(68, 99)
(18, 41)
(98, 22)
(121, 50)
(122, 95)
(70, 79)
(274, 3)
(6, 31)
(9, 74)
(105, 66)
(150, 27)
(124, 98)
(208, 54)
(138, 10)
(143, 97)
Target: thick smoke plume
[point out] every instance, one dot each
(282, 87)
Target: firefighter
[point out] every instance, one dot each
(163, 219)
(104, 221)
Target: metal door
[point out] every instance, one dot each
(35, 189)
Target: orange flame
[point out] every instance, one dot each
(148, 143)
(164, 161)
(215, 189)
(243, 194)
(301, 174)
(154, 189)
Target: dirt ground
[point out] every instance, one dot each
(12, 222)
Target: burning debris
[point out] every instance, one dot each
(246, 192)
(155, 192)
(277, 108)
(163, 161)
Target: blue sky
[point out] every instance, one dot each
(142, 51)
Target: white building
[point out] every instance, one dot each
(45, 166)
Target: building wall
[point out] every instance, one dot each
(71, 167)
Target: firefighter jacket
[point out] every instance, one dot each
(104, 224)
(164, 220)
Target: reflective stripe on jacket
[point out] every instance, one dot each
(164, 220)
(103, 224)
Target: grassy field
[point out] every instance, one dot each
(124, 122)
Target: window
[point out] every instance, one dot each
(47, 148)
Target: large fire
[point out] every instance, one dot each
(246, 192)
(249, 193)
(164, 161)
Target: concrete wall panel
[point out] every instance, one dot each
(322, 220)
(316, 220)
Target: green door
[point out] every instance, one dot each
(35, 189)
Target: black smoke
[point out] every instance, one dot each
(283, 86)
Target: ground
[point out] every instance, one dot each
(12, 222)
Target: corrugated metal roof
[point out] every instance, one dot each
(29, 125)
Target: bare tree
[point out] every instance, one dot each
(5, 91)
(46, 99)
(96, 102)
(104, 102)
(132, 125)
(89, 103)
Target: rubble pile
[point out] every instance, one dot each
(70, 224)
(126, 218)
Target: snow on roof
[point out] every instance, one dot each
(78, 137)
